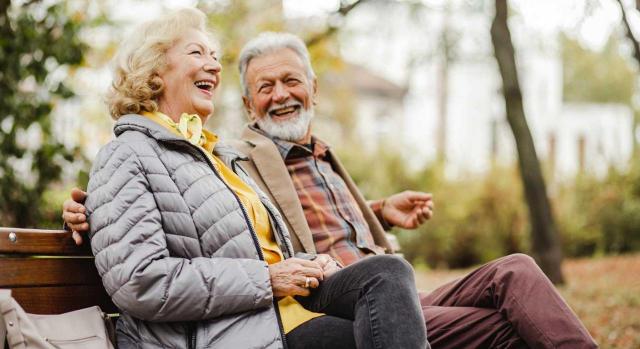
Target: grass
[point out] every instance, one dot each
(604, 293)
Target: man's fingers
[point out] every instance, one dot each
(79, 228)
(424, 203)
(72, 206)
(73, 218)
(77, 237)
(76, 207)
(78, 195)
(81, 218)
(430, 204)
(418, 195)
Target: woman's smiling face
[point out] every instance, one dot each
(191, 76)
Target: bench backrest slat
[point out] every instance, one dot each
(48, 273)
(40, 241)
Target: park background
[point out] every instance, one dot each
(411, 97)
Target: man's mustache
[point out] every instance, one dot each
(272, 109)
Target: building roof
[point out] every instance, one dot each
(365, 82)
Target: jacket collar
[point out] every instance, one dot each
(135, 122)
(270, 166)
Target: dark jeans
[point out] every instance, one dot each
(325, 332)
(377, 296)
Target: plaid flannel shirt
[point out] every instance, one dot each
(334, 218)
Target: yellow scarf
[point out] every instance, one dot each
(189, 126)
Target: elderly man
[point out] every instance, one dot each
(507, 303)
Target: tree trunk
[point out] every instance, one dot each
(545, 243)
(636, 56)
(443, 90)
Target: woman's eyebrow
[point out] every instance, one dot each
(193, 43)
(202, 47)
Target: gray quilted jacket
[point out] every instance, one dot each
(174, 247)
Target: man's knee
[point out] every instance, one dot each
(518, 260)
(520, 265)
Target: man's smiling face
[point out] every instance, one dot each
(280, 94)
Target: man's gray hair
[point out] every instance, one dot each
(269, 42)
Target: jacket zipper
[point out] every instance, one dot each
(254, 236)
(191, 335)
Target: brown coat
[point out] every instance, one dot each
(268, 170)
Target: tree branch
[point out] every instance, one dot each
(343, 11)
(630, 36)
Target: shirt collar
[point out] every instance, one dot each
(290, 150)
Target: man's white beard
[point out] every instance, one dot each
(292, 130)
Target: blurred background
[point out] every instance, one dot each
(414, 94)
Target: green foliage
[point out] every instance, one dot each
(36, 40)
(599, 77)
(476, 219)
(480, 218)
(602, 216)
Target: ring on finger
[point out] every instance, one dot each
(307, 281)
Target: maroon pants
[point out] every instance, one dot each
(507, 303)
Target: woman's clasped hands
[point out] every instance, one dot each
(296, 276)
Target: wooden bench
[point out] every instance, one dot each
(48, 273)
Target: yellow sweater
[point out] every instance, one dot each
(291, 312)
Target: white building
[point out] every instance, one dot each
(375, 104)
(568, 137)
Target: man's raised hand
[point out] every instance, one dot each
(408, 209)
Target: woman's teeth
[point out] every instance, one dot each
(204, 85)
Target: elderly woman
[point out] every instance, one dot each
(188, 247)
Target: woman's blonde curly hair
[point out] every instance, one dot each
(136, 84)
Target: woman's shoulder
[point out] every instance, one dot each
(130, 145)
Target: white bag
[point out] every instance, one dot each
(87, 328)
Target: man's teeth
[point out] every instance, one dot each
(284, 111)
(205, 85)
